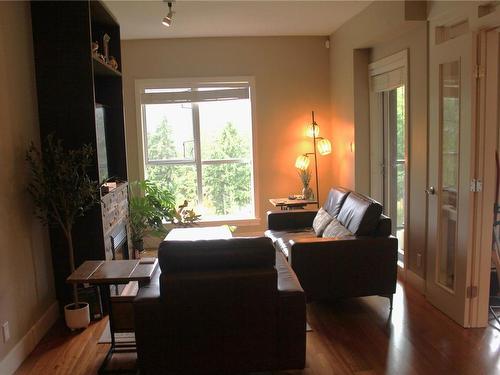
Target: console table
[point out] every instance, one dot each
(112, 272)
(291, 204)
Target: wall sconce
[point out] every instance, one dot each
(321, 145)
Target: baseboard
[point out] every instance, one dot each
(25, 346)
(415, 281)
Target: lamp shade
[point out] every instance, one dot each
(324, 146)
(312, 130)
(302, 162)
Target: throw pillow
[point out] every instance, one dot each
(321, 221)
(335, 229)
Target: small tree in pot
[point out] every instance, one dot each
(63, 191)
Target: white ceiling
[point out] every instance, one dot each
(142, 19)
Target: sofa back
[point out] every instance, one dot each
(219, 300)
(360, 214)
(216, 255)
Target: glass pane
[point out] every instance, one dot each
(225, 129)
(400, 125)
(450, 136)
(180, 179)
(169, 130)
(227, 190)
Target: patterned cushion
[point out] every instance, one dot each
(335, 229)
(321, 221)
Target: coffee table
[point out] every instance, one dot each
(199, 233)
(112, 272)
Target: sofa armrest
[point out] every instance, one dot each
(345, 267)
(294, 219)
(147, 310)
(291, 316)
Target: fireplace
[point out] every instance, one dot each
(119, 245)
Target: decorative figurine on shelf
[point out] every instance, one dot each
(95, 49)
(113, 63)
(305, 177)
(105, 43)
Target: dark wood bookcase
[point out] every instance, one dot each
(71, 84)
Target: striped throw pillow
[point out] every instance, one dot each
(321, 221)
(335, 229)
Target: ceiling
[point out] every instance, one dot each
(142, 19)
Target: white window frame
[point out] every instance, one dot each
(143, 84)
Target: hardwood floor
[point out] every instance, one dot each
(356, 336)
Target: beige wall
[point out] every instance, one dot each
(416, 43)
(291, 76)
(350, 107)
(26, 282)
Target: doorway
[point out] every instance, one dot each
(394, 166)
(389, 140)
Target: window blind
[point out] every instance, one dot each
(388, 80)
(207, 95)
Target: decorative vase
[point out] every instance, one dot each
(77, 315)
(308, 193)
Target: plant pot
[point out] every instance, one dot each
(308, 193)
(77, 315)
(139, 245)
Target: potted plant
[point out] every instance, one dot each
(151, 206)
(63, 191)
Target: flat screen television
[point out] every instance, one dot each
(102, 150)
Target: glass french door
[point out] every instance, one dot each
(395, 163)
(450, 155)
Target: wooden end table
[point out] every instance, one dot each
(291, 204)
(112, 272)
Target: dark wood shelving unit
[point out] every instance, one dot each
(102, 69)
(72, 84)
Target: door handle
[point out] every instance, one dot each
(430, 191)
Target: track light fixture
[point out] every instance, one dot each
(167, 20)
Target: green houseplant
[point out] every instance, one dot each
(152, 205)
(62, 191)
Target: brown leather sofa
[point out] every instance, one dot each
(361, 264)
(220, 306)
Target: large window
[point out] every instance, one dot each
(197, 140)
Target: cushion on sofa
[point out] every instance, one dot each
(335, 200)
(360, 214)
(321, 221)
(283, 241)
(335, 229)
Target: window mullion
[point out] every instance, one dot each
(197, 151)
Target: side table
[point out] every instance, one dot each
(291, 204)
(112, 272)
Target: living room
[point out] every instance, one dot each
(342, 60)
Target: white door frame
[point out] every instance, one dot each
(487, 133)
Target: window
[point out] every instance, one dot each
(197, 141)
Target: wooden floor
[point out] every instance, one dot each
(356, 336)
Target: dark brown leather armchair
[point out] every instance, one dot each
(363, 264)
(220, 306)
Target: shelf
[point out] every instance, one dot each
(102, 69)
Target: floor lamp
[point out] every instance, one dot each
(321, 145)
